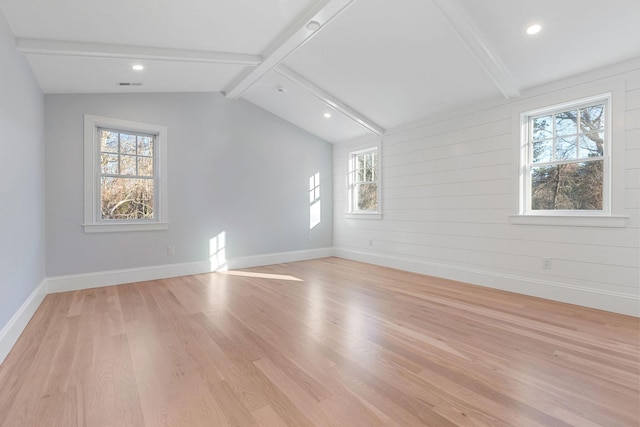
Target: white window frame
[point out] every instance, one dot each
(613, 213)
(527, 156)
(352, 212)
(92, 221)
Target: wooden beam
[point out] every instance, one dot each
(100, 50)
(474, 40)
(323, 12)
(329, 100)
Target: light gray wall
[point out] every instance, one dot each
(21, 179)
(232, 167)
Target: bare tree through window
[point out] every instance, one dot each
(126, 175)
(567, 165)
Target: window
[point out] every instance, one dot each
(566, 158)
(315, 212)
(364, 188)
(125, 175)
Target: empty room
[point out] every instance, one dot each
(319, 213)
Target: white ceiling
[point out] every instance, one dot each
(374, 64)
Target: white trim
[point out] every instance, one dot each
(92, 175)
(77, 282)
(527, 155)
(479, 48)
(108, 228)
(615, 302)
(363, 215)
(609, 221)
(278, 258)
(117, 51)
(116, 277)
(18, 322)
(615, 153)
(353, 214)
(329, 100)
(298, 34)
(609, 301)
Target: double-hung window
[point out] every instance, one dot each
(363, 182)
(125, 175)
(565, 156)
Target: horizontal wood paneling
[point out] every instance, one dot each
(448, 190)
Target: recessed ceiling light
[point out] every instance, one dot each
(534, 29)
(313, 26)
(327, 115)
(138, 67)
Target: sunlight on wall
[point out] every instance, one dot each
(314, 199)
(217, 252)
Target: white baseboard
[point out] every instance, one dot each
(116, 277)
(603, 300)
(12, 330)
(279, 258)
(14, 327)
(77, 282)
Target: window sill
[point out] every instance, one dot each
(363, 215)
(125, 227)
(610, 221)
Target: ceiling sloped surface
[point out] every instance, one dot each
(373, 64)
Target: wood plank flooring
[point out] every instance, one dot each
(326, 342)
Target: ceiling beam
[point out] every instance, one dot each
(489, 60)
(322, 12)
(115, 51)
(329, 100)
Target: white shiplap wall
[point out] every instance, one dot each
(449, 187)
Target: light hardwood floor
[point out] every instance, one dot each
(323, 342)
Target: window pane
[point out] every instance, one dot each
(128, 165)
(109, 163)
(567, 187)
(127, 143)
(542, 151)
(566, 148)
(108, 141)
(368, 160)
(566, 123)
(145, 166)
(367, 197)
(592, 118)
(145, 146)
(368, 176)
(542, 128)
(126, 198)
(591, 144)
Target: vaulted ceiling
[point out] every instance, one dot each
(372, 64)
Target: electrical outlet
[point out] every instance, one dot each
(546, 263)
(171, 250)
